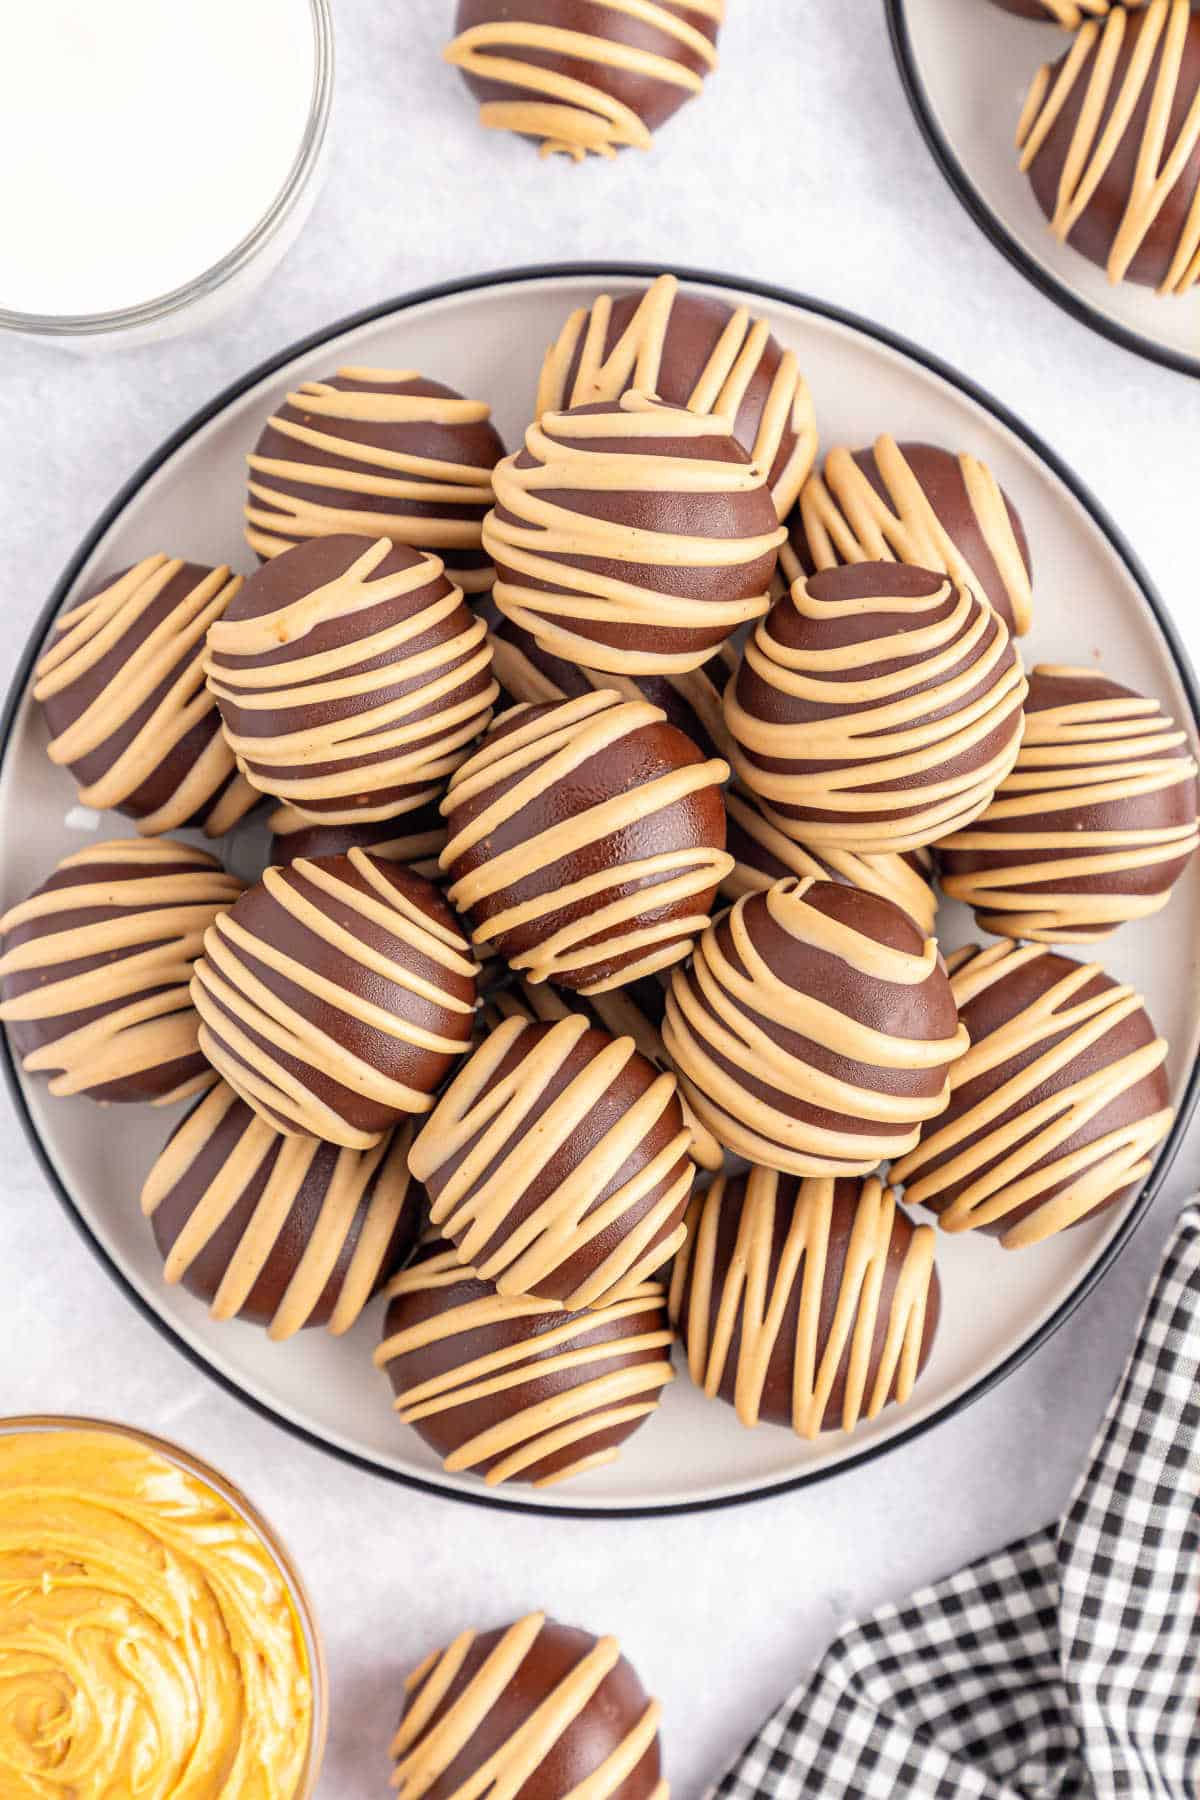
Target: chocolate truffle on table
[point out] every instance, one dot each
(336, 996)
(809, 1304)
(586, 840)
(352, 678)
(918, 504)
(557, 1163)
(584, 75)
(287, 1232)
(632, 536)
(537, 1710)
(876, 709)
(814, 1029)
(574, 1387)
(692, 351)
(95, 970)
(122, 688)
(1110, 139)
(414, 838)
(1095, 823)
(1056, 1108)
(381, 452)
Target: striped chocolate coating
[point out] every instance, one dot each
(335, 996)
(510, 1388)
(96, 964)
(416, 839)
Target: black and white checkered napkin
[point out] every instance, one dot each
(1066, 1667)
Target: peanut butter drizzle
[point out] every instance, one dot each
(756, 1128)
(601, 1392)
(424, 1753)
(1092, 753)
(423, 750)
(87, 634)
(743, 1300)
(877, 727)
(1007, 1165)
(845, 521)
(574, 116)
(1150, 82)
(887, 875)
(536, 547)
(417, 850)
(617, 1013)
(341, 1204)
(223, 979)
(148, 1020)
(635, 361)
(275, 520)
(537, 755)
(1071, 13)
(518, 1132)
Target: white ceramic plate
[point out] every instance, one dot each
(967, 66)
(486, 337)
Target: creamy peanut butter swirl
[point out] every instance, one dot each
(573, 113)
(889, 717)
(1095, 752)
(155, 900)
(249, 1030)
(491, 1136)
(536, 537)
(743, 1298)
(1142, 101)
(344, 731)
(717, 1009)
(366, 1192)
(845, 520)
(721, 384)
(527, 762)
(171, 653)
(352, 471)
(597, 1389)
(1013, 1147)
(426, 1747)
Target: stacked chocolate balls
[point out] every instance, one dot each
(592, 995)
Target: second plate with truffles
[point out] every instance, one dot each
(952, 1311)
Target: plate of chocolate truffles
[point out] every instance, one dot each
(600, 903)
(1070, 130)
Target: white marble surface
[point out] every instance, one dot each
(802, 166)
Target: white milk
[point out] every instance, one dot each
(141, 141)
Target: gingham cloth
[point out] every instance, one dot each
(1066, 1667)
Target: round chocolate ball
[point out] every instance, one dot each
(575, 1385)
(876, 709)
(557, 1163)
(352, 678)
(584, 75)
(809, 1304)
(1095, 823)
(336, 996)
(559, 1711)
(416, 839)
(122, 688)
(814, 1029)
(1068, 13)
(586, 840)
(284, 1231)
(1056, 1108)
(631, 536)
(382, 452)
(95, 970)
(762, 855)
(917, 504)
(696, 352)
(1110, 139)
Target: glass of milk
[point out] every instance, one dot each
(161, 155)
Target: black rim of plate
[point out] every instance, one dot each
(991, 225)
(607, 273)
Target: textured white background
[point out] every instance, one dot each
(801, 165)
